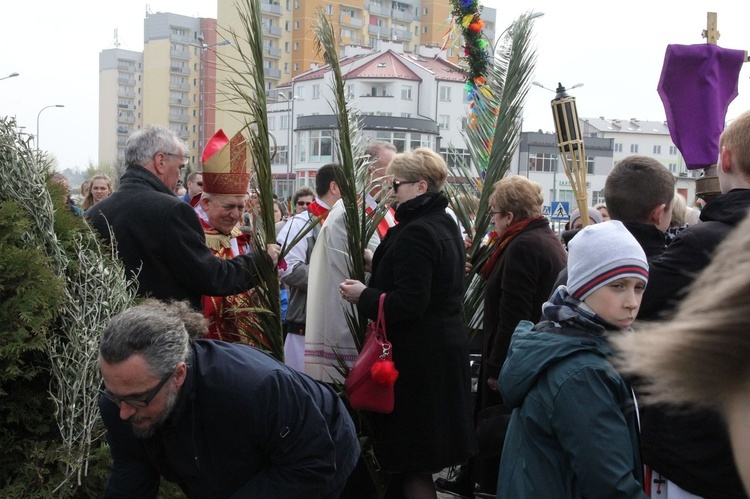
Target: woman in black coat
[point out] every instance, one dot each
(420, 266)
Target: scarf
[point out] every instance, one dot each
(510, 233)
(563, 309)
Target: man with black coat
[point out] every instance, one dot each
(693, 450)
(157, 236)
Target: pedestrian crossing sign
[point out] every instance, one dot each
(560, 210)
(546, 212)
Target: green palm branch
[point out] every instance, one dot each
(492, 134)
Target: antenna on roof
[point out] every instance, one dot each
(116, 41)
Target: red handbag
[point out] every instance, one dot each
(370, 383)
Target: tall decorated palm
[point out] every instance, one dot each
(496, 85)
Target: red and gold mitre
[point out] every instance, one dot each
(226, 165)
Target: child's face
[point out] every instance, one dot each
(617, 302)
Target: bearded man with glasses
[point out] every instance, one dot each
(220, 419)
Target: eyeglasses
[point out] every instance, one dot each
(183, 156)
(491, 214)
(138, 403)
(398, 183)
(304, 203)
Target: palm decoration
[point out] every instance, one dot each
(492, 131)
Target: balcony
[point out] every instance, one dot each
(272, 31)
(270, 8)
(350, 21)
(126, 93)
(179, 102)
(180, 39)
(126, 119)
(179, 86)
(403, 15)
(123, 130)
(126, 81)
(183, 118)
(350, 40)
(179, 70)
(402, 34)
(379, 30)
(272, 73)
(127, 107)
(272, 52)
(184, 134)
(380, 10)
(128, 68)
(180, 54)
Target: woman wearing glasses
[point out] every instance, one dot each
(419, 265)
(520, 273)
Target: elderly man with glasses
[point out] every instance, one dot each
(220, 419)
(158, 237)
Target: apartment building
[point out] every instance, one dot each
(164, 84)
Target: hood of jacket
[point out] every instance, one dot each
(535, 349)
(729, 208)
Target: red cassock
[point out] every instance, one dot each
(225, 322)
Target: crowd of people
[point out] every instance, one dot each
(575, 397)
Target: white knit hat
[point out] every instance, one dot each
(600, 254)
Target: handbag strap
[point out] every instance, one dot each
(380, 323)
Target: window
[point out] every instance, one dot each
(350, 90)
(286, 67)
(286, 47)
(672, 150)
(316, 91)
(280, 158)
(444, 121)
(296, 66)
(657, 149)
(286, 25)
(296, 46)
(589, 165)
(406, 115)
(445, 94)
(450, 52)
(296, 24)
(329, 9)
(419, 140)
(406, 92)
(424, 29)
(618, 147)
(542, 162)
(288, 4)
(321, 145)
(300, 92)
(416, 30)
(272, 122)
(425, 11)
(673, 167)
(296, 4)
(633, 148)
(597, 197)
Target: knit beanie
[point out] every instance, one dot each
(600, 254)
(594, 216)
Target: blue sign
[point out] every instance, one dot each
(546, 212)
(560, 210)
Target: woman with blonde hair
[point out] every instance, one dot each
(419, 266)
(100, 188)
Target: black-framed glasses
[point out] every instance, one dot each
(398, 183)
(138, 403)
(491, 214)
(304, 203)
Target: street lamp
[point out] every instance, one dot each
(12, 75)
(204, 47)
(290, 111)
(37, 123)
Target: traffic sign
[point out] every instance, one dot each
(560, 210)
(546, 212)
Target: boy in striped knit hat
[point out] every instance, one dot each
(574, 429)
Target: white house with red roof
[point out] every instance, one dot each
(409, 100)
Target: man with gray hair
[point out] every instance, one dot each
(220, 419)
(157, 236)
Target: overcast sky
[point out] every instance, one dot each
(615, 49)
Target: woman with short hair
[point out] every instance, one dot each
(419, 265)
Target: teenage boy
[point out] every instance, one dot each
(573, 431)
